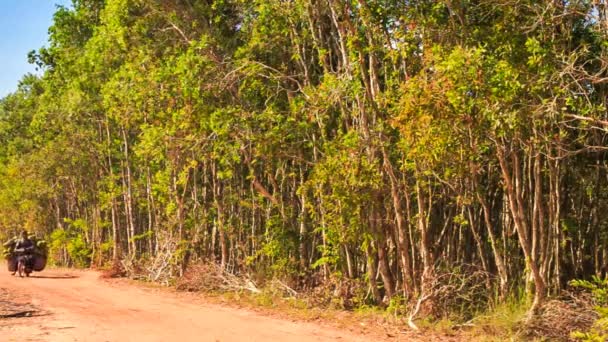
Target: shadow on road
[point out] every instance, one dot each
(65, 276)
(24, 314)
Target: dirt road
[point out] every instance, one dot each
(79, 306)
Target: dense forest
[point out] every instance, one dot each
(418, 149)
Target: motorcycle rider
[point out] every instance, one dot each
(25, 246)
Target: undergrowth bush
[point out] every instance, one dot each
(461, 292)
(69, 249)
(501, 321)
(559, 317)
(598, 288)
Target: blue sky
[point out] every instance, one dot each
(23, 27)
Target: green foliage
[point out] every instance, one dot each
(277, 248)
(58, 241)
(598, 287)
(306, 140)
(77, 250)
(501, 322)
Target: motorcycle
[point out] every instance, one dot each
(25, 261)
(33, 258)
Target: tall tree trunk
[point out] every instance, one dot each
(517, 212)
(427, 281)
(372, 270)
(402, 235)
(221, 227)
(128, 197)
(114, 215)
(498, 259)
(303, 249)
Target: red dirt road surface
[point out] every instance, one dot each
(66, 305)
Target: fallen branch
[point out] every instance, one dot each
(286, 288)
(586, 118)
(211, 277)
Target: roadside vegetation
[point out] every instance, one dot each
(442, 162)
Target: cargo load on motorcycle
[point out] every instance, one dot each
(39, 253)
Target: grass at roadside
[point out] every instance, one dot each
(502, 322)
(376, 323)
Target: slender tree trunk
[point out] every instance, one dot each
(372, 270)
(517, 211)
(402, 236)
(220, 219)
(115, 222)
(498, 259)
(150, 210)
(303, 231)
(129, 197)
(425, 249)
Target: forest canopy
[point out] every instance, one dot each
(398, 145)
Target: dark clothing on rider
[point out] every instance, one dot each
(26, 244)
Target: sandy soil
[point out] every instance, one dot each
(66, 305)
